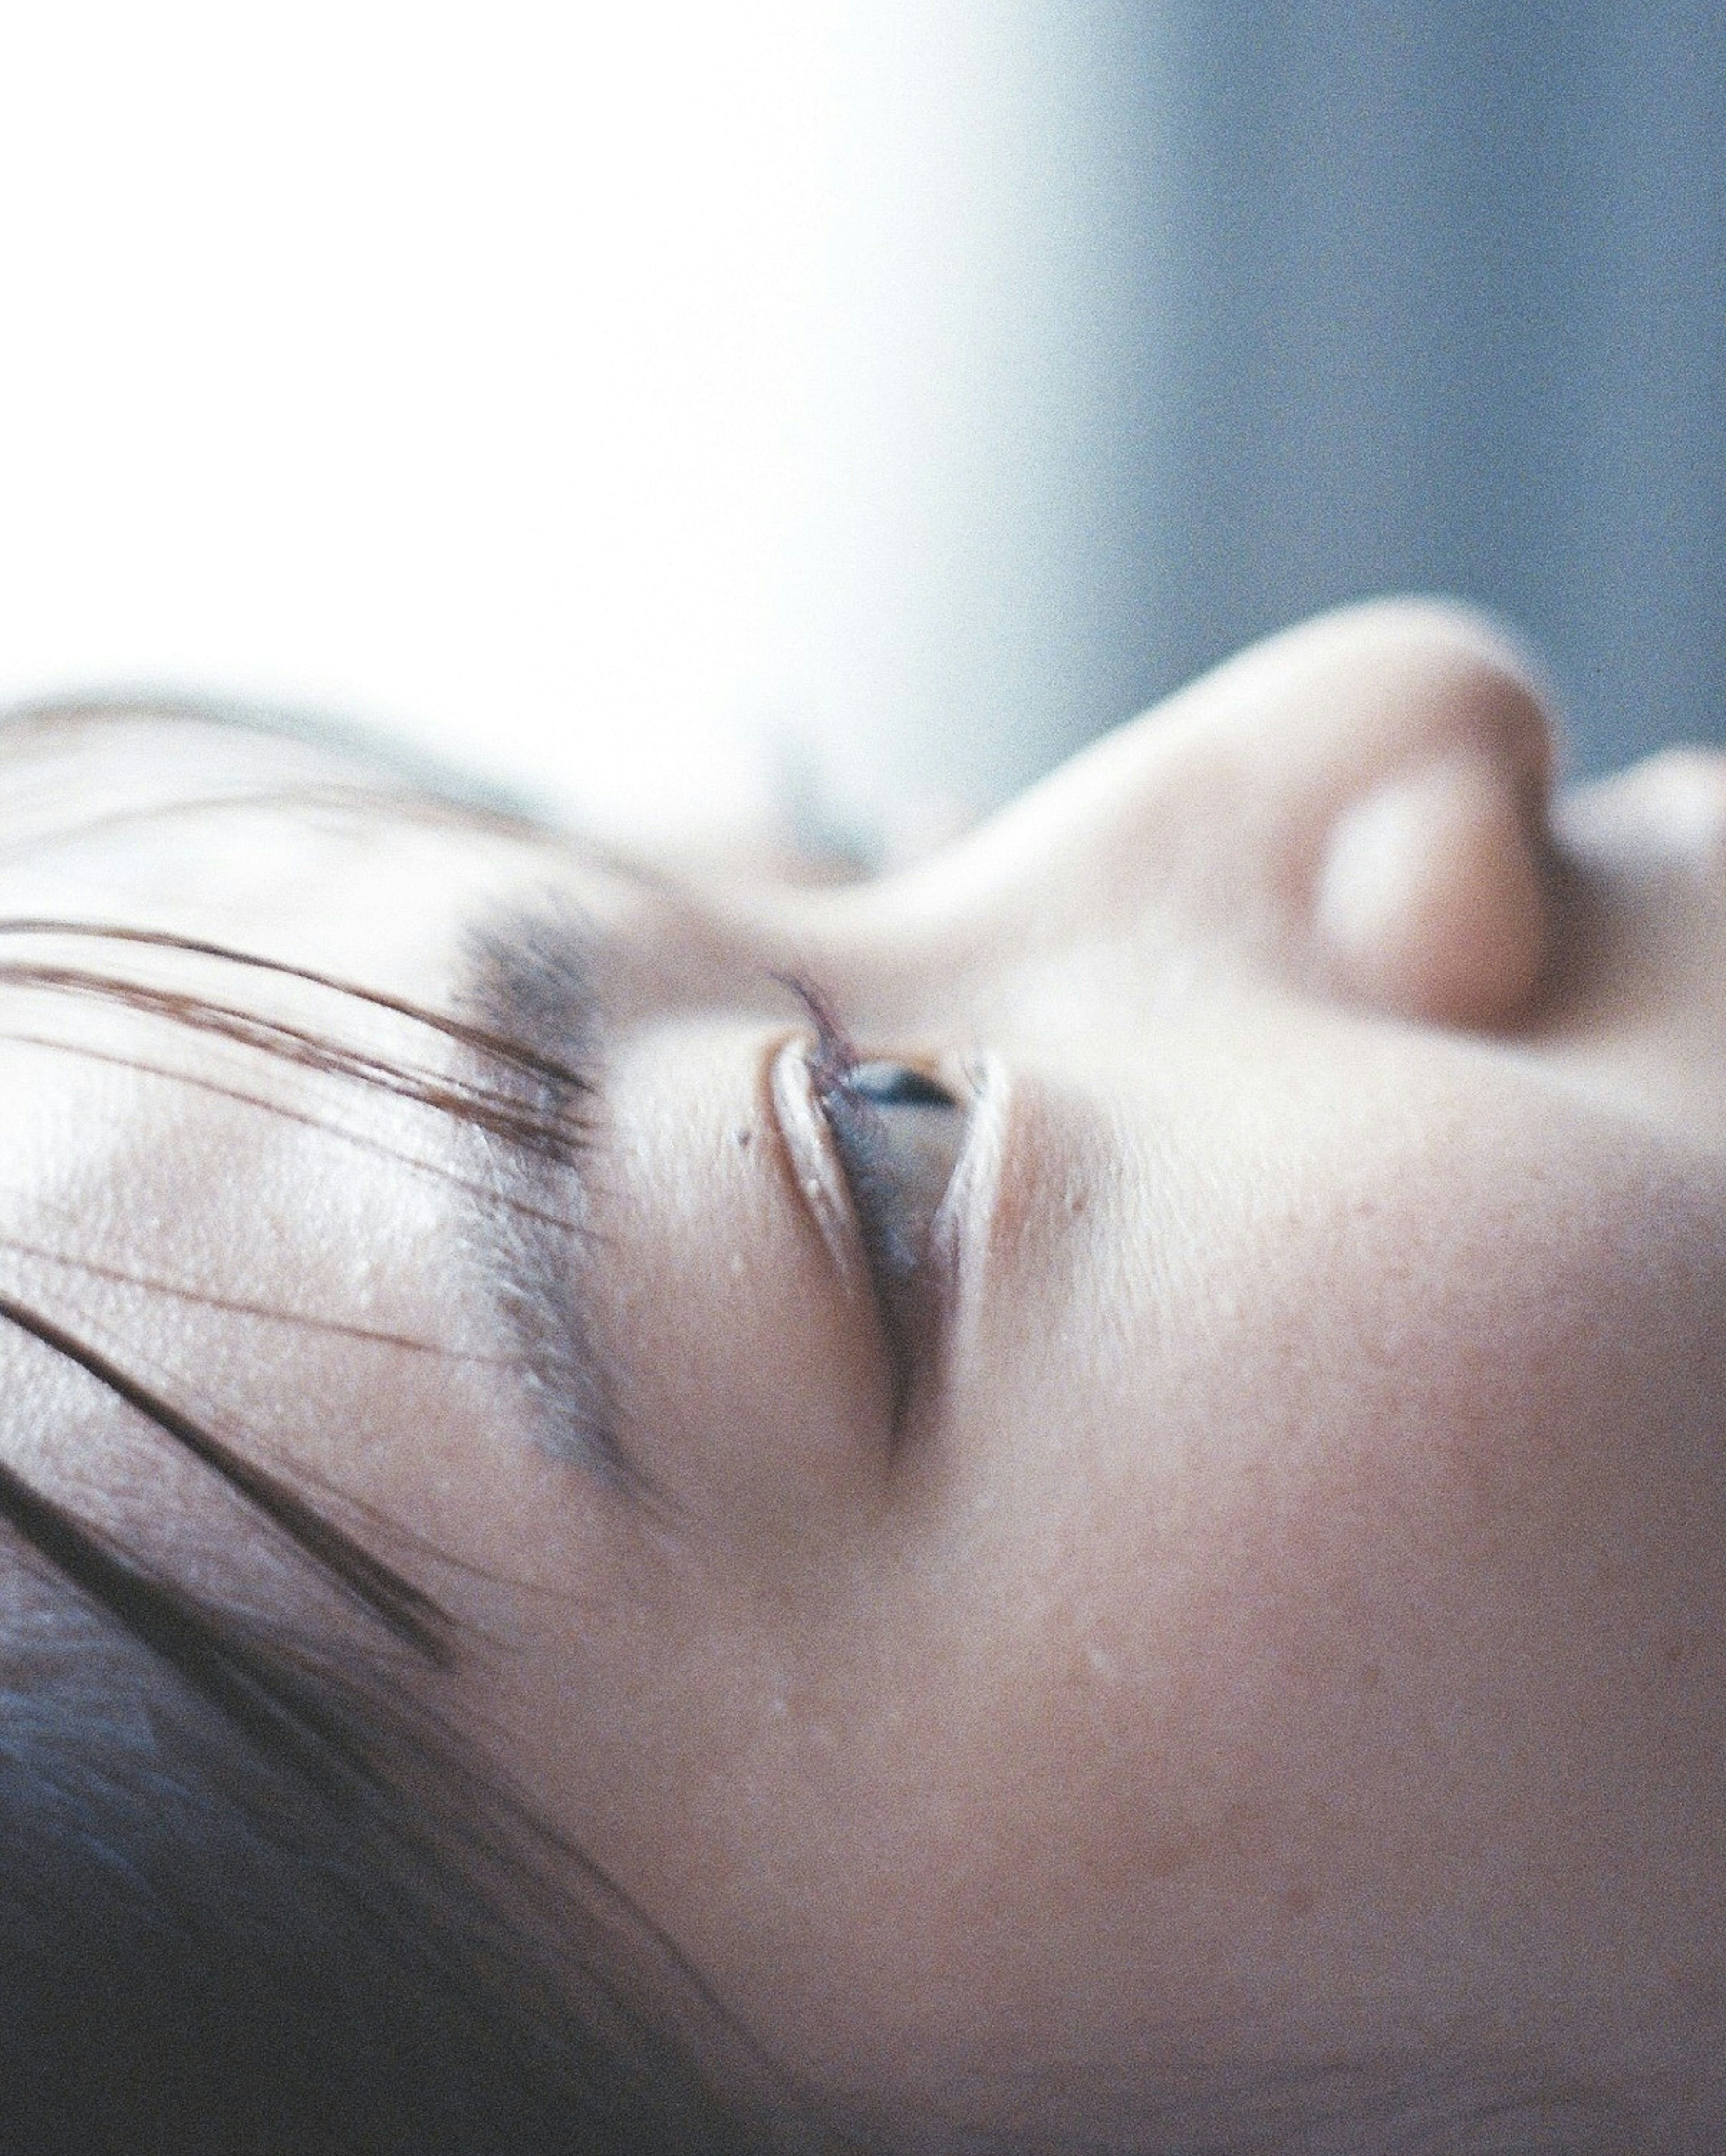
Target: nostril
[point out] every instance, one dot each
(1431, 902)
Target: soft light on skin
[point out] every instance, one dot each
(1289, 1625)
(1432, 900)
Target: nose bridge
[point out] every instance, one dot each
(1215, 821)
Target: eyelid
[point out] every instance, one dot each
(820, 1178)
(912, 1306)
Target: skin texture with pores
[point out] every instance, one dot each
(1259, 1600)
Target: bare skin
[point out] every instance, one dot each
(1252, 1594)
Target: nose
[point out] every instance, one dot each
(1360, 804)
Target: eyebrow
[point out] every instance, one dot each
(529, 980)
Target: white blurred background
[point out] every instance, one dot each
(680, 407)
(611, 397)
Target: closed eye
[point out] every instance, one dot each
(898, 1133)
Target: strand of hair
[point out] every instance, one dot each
(402, 1607)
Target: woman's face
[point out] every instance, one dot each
(1151, 1502)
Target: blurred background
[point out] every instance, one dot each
(681, 409)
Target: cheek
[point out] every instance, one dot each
(1305, 1634)
(1389, 1604)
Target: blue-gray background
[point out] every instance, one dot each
(1391, 295)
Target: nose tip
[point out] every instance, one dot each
(1431, 902)
(1431, 897)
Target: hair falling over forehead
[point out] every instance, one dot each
(376, 1946)
(517, 1097)
(401, 1609)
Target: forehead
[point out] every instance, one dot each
(301, 851)
(320, 848)
(207, 932)
(245, 1122)
(77, 766)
